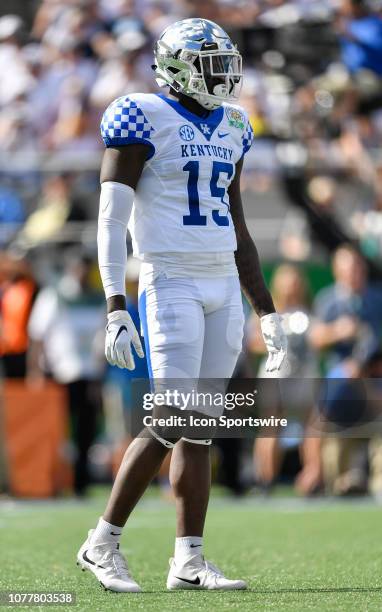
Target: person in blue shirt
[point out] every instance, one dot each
(12, 214)
(348, 327)
(360, 37)
(348, 315)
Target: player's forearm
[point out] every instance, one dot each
(116, 203)
(251, 277)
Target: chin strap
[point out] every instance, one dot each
(207, 104)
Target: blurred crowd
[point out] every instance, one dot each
(312, 88)
(313, 91)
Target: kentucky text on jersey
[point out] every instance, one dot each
(200, 150)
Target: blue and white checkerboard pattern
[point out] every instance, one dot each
(247, 138)
(124, 120)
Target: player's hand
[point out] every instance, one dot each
(121, 333)
(275, 341)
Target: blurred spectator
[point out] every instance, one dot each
(360, 31)
(72, 129)
(348, 314)
(16, 130)
(367, 222)
(348, 327)
(119, 76)
(345, 455)
(316, 204)
(4, 477)
(66, 332)
(12, 214)
(57, 206)
(16, 82)
(17, 292)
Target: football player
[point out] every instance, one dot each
(171, 174)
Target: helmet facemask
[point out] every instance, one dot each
(218, 79)
(210, 76)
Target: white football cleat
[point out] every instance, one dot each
(200, 574)
(108, 565)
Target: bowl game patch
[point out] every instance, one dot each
(235, 118)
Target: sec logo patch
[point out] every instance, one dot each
(186, 132)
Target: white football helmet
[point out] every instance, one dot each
(197, 58)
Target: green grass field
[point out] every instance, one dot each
(295, 555)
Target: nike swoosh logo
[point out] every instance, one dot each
(194, 545)
(222, 135)
(196, 581)
(106, 206)
(121, 329)
(86, 558)
(116, 534)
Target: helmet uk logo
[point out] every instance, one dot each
(235, 118)
(186, 132)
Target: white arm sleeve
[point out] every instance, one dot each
(116, 203)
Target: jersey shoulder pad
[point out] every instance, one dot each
(237, 117)
(124, 122)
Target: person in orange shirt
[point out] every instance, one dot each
(17, 292)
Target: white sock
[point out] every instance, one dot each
(188, 547)
(106, 532)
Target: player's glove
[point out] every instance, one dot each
(275, 341)
(120, 334)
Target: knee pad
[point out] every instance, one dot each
(203, 442)
(165, 443)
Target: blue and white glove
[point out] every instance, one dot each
(275, 341)
(121, 333)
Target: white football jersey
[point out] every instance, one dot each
(181, 202)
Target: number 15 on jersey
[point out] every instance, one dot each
(195, 217)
